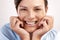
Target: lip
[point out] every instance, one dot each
(31, 24)
(36, 22)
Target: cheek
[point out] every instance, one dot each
(22, 15)
(41, 14)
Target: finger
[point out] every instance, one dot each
(49, 20)
(45, 27)
(12, 21)
(43, 21)
(48, 23)
(43, 24)
(20, 23)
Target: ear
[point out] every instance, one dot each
(46, 9)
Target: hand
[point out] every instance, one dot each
(45, 25)
(17, 26)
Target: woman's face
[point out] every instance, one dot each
(31, 12)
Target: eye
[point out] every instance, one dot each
(23, 9)
(37, 9)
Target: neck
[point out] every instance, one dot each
(31, 36)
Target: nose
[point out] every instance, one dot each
(31, 15)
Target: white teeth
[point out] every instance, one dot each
(31, 23)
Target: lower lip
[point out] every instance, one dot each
(30, 25)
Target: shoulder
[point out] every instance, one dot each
(5, 27)
(2, 37)
(50, 35)
(57, 36)
(8, 33)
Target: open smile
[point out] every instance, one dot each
(31, 23)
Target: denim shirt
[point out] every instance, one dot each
(7, 34)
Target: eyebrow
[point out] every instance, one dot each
(37, 6)
(23, 6)
(34, 7)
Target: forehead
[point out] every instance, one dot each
(31, 2)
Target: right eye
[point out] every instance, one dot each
(23, 9)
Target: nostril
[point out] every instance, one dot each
(36, 21)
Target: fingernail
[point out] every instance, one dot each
(47, 21)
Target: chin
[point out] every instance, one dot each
(30, 29)
(30, 26)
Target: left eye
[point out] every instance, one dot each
(37, 9)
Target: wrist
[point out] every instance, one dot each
(36, 37)
(25, 37)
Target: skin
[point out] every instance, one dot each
(31, 10)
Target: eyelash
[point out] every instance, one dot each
(37, 9)
(26, 9)
(23, 9)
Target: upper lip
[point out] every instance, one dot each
(30, 21)
(27, 20)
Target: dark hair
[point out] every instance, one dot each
(18, 1)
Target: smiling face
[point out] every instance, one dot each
(31, 12)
